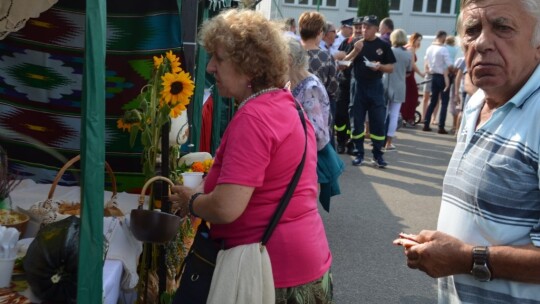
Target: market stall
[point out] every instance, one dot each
(120, 267)
(53, 72)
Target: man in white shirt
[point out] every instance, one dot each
(438, 61)
(329, 36)
(345, 31)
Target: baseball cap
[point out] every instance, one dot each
(370, 20)
(357, 20)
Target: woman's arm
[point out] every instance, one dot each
(221, 206)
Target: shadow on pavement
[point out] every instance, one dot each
(375, 205)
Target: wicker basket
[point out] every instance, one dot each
(52, 210)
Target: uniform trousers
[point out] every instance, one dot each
(342, 126)
(367, 97)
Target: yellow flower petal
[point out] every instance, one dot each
(158, 61)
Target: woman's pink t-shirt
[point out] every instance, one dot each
(261, 148)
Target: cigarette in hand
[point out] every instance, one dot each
(405, 240)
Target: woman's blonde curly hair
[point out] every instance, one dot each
(254, 44)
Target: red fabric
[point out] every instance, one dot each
(261, 148)
(411, 98)
(206, 126)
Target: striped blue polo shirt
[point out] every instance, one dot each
(491, 191)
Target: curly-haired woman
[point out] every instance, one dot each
(258, 155)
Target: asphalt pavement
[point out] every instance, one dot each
(375, 205)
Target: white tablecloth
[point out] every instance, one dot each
(120, 269)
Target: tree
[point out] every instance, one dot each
(378, 8)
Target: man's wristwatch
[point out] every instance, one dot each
(480, 270)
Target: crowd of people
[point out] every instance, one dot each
(485, 249)
(371, 80)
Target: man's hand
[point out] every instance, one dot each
(438, 254)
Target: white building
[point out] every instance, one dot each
(423, 16)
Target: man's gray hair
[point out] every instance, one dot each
(531, 6)
(327, 27)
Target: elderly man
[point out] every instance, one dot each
(487, 247)
(372, 57)
(386, 27)
(328, 38)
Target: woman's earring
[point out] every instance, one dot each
(249, 85)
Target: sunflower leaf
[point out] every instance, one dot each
(133, 135)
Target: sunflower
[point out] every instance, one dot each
(158, 61)
(177, 88)
(174, 61)
(177, 110)
(121, 124)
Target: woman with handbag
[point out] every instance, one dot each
(259, 155)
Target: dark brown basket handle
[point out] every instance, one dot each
(148, 183)
(69, 164)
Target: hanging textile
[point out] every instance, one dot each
(41, 68)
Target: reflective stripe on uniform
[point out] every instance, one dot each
(358, 136)
(339, 129)
(377, 137)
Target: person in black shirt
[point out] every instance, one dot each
(371, 58)
(342, 125)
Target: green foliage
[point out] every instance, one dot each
(379, 8)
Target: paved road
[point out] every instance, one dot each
(375, 205)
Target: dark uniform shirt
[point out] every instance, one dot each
(347, 46)
(374, 50)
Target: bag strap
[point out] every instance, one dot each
(284, 202)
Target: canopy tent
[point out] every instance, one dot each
(57, 67)
(92, 157)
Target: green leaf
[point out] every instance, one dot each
(133, 136)
(146, 138)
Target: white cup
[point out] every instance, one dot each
(192, 179)
(6, 270)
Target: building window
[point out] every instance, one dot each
(312, 3)
(443, 7)
(418, 6)
(431, 6)
(446, 7)
(395, 5)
